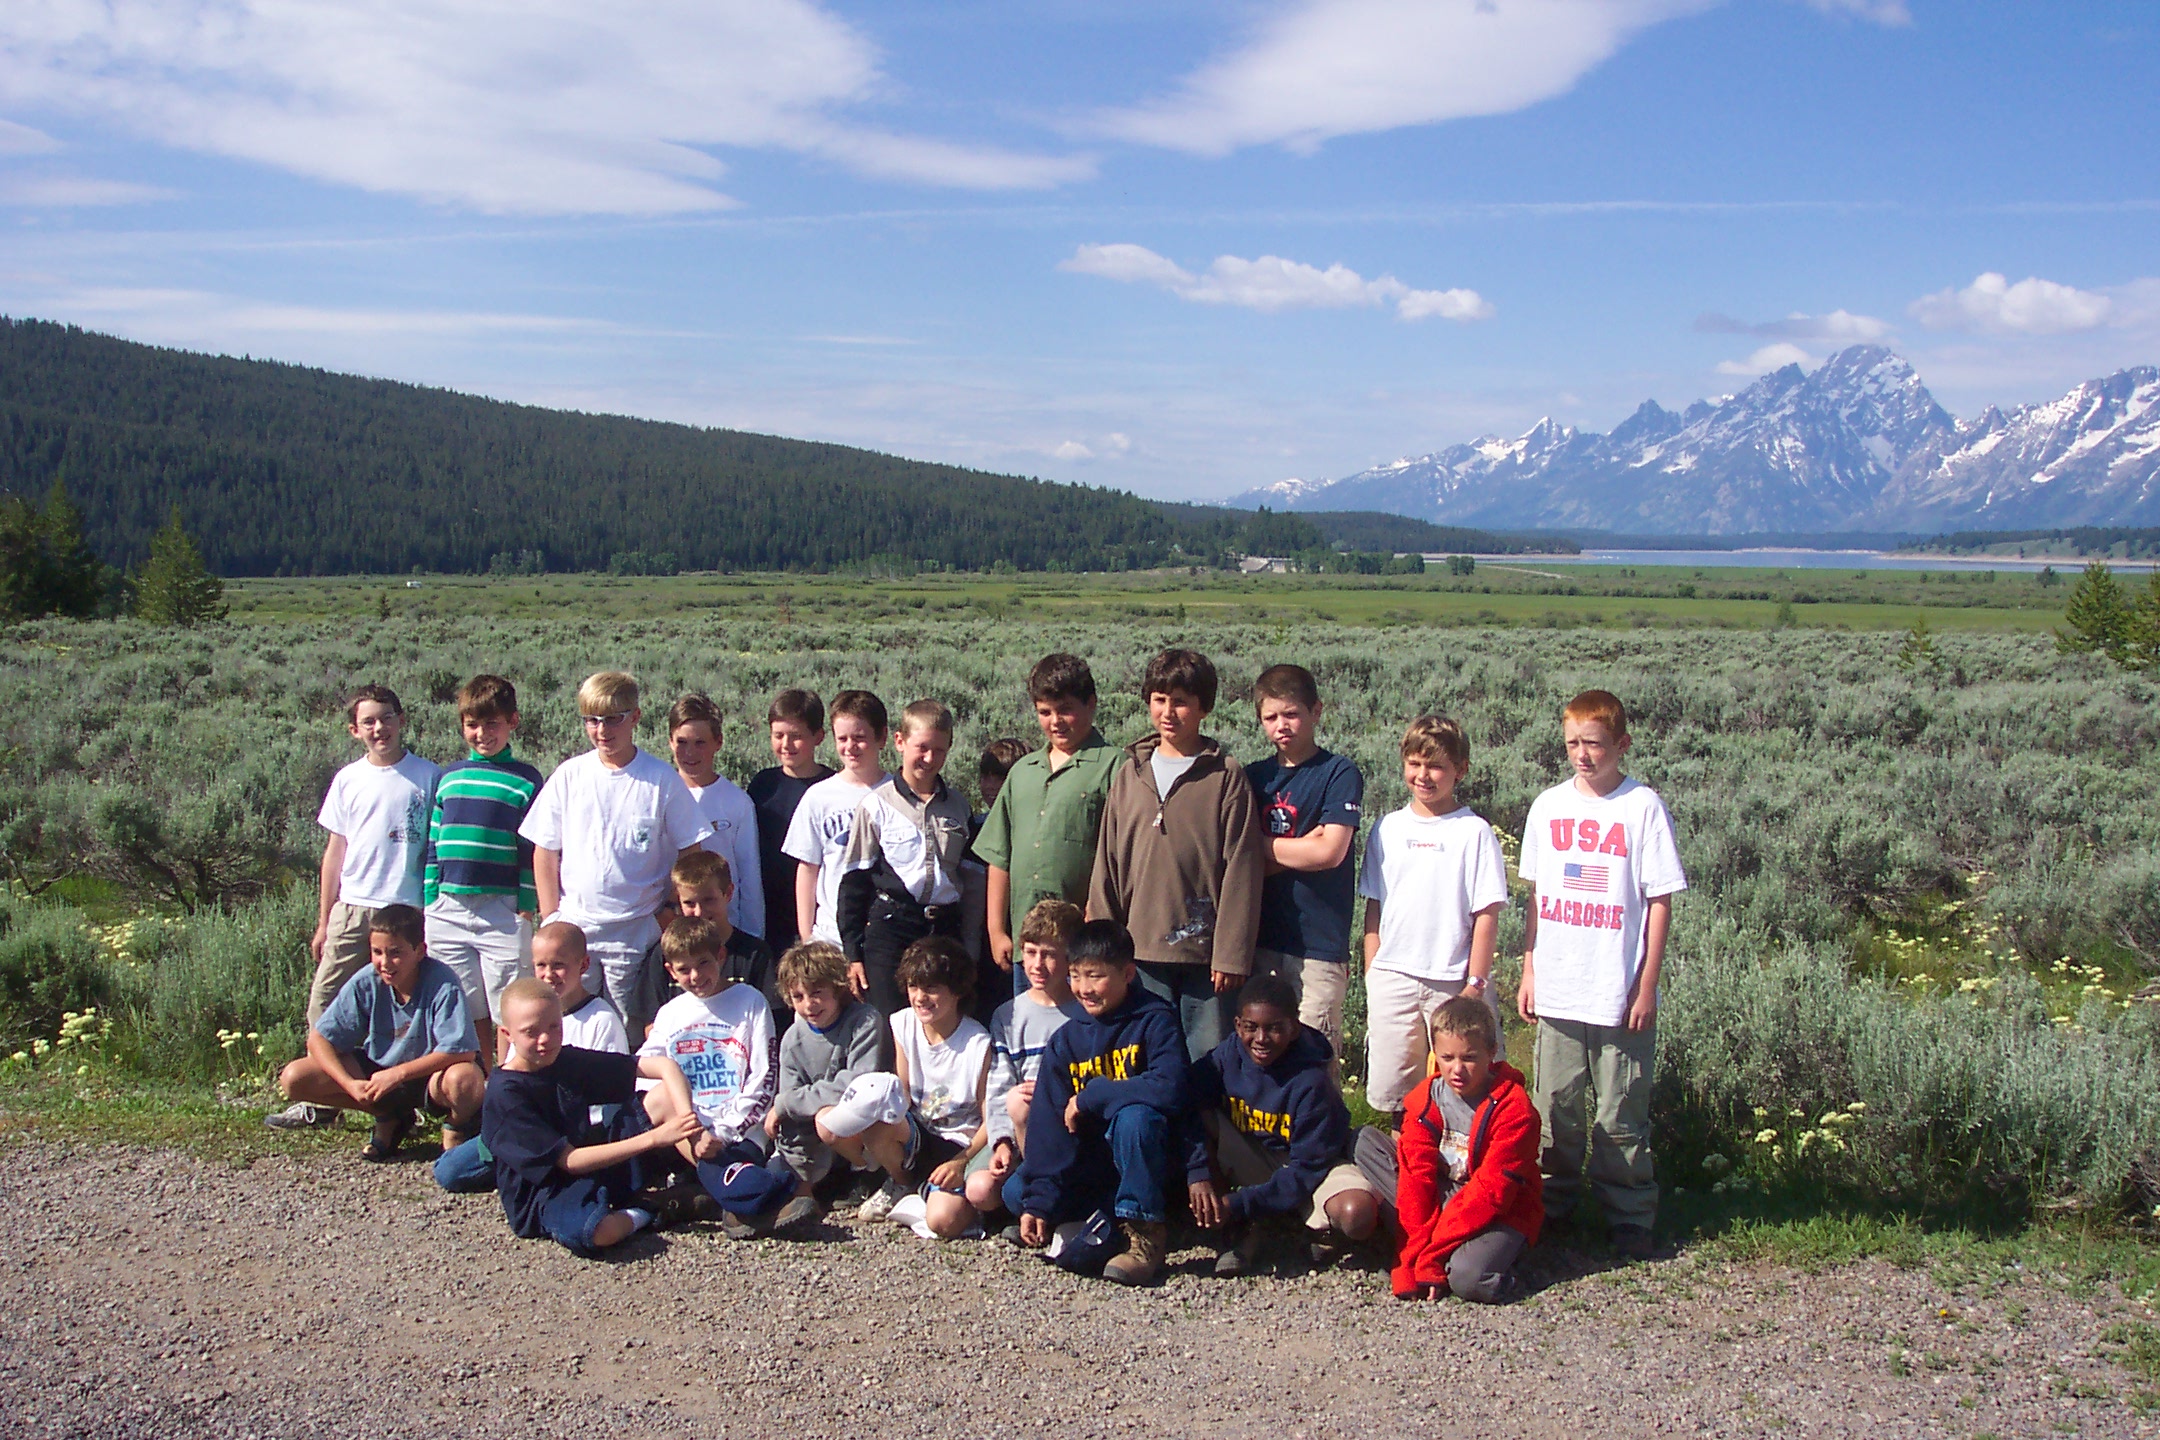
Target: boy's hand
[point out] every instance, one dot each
(1034, 1231)
(367, 1091)
(1207, 1206)
(1643, 1011)
(675, 1130)
(1225, 982)
(1001, 950)
(772, 1124)
(320, 938)
(1526, 995)
(1001, 1159)
(708, 1145)
(951, 1176)
(858, 979)
(1072, 1115)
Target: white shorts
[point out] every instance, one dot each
(485, 941)
(1399, 1012)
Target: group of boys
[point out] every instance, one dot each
(577, 974)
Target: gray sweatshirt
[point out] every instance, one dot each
(816, 1065)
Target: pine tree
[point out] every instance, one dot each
(75, 577)
(174, 587)
(2098, 615)
(2142, 652)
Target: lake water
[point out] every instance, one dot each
(1797, 560)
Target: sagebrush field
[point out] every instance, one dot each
(1926, 872)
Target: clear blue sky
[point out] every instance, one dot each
(1182, 247)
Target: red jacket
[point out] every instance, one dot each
(1504, 1185)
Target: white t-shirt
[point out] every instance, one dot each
(733, 819)
(818, 835)
(1431, 876)
(595, 1025)
(944, 1080)
(618, 831)
(1597, 863)
(382, 811)
(725, 1046)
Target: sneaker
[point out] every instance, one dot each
(747, 1227)
(1631, 1242)
(1241, 1256)
(879, 1206)
(300, 1115)
(1143, 1257)
(677, 1205)
(802, 1210)
(1011, 1235)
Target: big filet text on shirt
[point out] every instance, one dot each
(716, 1065)
(1585, 836)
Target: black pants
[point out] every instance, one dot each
(891, 930)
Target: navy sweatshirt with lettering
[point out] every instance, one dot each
(1132, 1055)
(1292, 1110)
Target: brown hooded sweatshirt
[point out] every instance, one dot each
(1181, 873)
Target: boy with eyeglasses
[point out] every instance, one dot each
(607, 829)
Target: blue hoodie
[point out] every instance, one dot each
(1133, 1055)
(1292, 1110)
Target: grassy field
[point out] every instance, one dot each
(1511, 592)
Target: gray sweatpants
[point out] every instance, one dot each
(1482, 1268)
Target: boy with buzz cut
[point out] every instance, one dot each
(606, 830)
(824, 822)
(1180, 861)
(1107, 1108)
(694, 739)
(397, 1039)
(1599, 854)
(1434, 886)
(900, 876)
(795, 723)
(1310, 803)
(1038, 839)
(556, 1177)
(835, 1040)
(478, 884)
(1271, 1140)
(1020, 1032)
(376, 811)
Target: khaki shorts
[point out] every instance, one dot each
(1320, 986)
(1399, 1012)
(1245, 1161)
(344, 955)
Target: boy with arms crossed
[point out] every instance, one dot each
(398, 1038)
(1108, 1103)
(1020, 1033)
(1039, 837)
(906, 851)
(1310, 801)
(1272, 1138)
(479, 880)
(1598, 851)
(556, 1177)
(1434, 885)
(694, 740)
(796, 724)
(835, 1040)
(606, 829)
(824, 823)
(376, 812)
(1179, 861)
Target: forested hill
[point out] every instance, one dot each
(278, 469)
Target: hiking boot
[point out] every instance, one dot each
(802, 1210)
(1631, 1242)
(1241, 1256)
(300, 1115)
(747, 1227)
(677, 1205)
(1011, 1235)
(879, 1206)
(1328, 1251)
(1142, 1259)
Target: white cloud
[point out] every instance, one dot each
(1271, 283)
(1768, 358)
(1881, 12)
(1839, 326)
(544, 107)
(22, 140)
(1072, 450)
(59, 192)
(201, 319)
(1317, 69)
(1992, 305)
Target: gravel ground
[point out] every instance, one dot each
(154, 1294)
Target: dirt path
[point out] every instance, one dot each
(158, 1295)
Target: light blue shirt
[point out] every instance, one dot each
(366, 1018)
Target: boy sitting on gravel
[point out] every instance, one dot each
(398, 1038)
(835, 1039)
(1271, 1142)
(556, 1178)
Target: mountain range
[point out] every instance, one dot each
(1858, 444)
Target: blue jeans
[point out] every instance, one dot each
(1126, 1170)
(1190, 989)
(466, 1169)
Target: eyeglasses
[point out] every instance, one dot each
(602, 722)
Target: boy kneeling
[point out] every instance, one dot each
(537, 1122)
(1100, 1128)
(1271, 1124)
(1466, 1181)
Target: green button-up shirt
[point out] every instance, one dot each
(1042, 828)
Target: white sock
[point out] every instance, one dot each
(639, 1219)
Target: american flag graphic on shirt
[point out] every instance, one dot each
(1592, 879)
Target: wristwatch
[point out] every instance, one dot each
(1475, 982)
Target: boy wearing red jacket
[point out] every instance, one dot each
(1468, 1192)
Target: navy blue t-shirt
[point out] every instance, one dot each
(529, 1115)
(1307, 912)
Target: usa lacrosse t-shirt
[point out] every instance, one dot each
(1597, 864)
